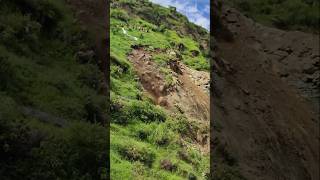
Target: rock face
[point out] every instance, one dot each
(265, 97)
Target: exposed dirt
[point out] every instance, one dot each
(293, 56)
(268, 122)
(189, 95)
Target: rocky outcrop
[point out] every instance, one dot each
(264, 98)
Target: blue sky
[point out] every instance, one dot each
(197, 11)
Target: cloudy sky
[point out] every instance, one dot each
(197, 11)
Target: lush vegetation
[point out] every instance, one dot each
(147, 142)
(51, 111)
(284, 14)
(50, 108)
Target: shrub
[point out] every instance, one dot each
(136, 110)
(17, 31)
(48, 13)
(120, 14)
(143, 131)
(162, 28)
(14, 139)
(162, 136)
(145, 112)
(90, 76)
(134, 152)
(187, 129)
(79, 152)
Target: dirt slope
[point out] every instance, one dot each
(261, 99)
(189, 95)
(293, 56)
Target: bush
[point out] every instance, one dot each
(78, 153)
(14, 139)
(162, 28)
(143, 131)
(120, 14)
(162, 136)
(134, 152)
(48, 13)
(135, 110)
(146, 112)
(187, 129)
(17, 31)
(90, 76)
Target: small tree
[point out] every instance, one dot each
(173, 9)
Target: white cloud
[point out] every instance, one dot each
(190, 9)
(207, 9)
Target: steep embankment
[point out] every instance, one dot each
(261, 99)
(183, 93)
(183, 96)
(160, 111)
(51, 92)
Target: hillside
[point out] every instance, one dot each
(300, 15)
(52, 109)
(261, 98)
(265, 98)
(159, 93)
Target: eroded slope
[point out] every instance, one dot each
(159, 94)
(261, 101)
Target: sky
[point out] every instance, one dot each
(197, 11)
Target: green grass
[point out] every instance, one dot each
(286, 14)
(168, 39)
(144, 143)
(39, 69)
(143, 134)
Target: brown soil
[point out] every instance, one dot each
(268, 123)
(188, 96)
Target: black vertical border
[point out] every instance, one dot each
(211, 49)
(107, 77)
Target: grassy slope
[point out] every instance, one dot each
(39, 69)
(142, 134)
(284, 14)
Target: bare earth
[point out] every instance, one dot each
(265, 97)
(190, 94)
